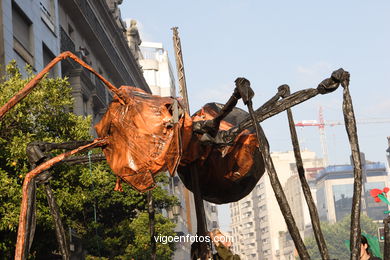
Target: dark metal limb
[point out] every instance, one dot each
(199, 249)
(350, 126)
(84, 159)
(31, 218)
(267, 110)
(277, 187)
(36, 155)
(305, 186)
(34, 82)
(20, 252)
(386, 250)
(151, 212)
(59, 228)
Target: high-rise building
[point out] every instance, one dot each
(299, 208)
(335, 191)
(256, 219)
(157, 69)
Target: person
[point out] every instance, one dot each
(365, 252)
(223, 246)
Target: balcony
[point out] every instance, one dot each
(67, 43)
(100, 92)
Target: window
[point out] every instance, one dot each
(215, 224)
(47, 57)
(22, 32)
(85, 106)
(48, 13)
(21, 27)
(70, 31)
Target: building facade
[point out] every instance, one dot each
(29, 33)
(34, 32)
(335, 191)
(256, 219)
(157, 69)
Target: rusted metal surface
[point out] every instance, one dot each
(143, 140)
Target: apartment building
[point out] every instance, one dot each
(256, 219)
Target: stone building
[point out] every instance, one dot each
(36, 31)
(89, 29)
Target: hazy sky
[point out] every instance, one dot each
(271, 43)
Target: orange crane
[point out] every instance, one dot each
(321, 127)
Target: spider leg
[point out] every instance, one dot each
(35, 80)
(275, 183)
(305, 186)
(24, 223)
(275, 106)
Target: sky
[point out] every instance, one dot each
(271, 43)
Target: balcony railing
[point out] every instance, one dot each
(66, 42)
(100, 90)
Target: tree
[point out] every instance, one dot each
(335, 236)
(82, 191)
(140, 247)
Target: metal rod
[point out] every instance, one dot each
(202, 249)
(180, 68)
(315, 221)
(183, 92)
(386, 250)
(278, 189)
(34, 82)
(151, 213)
(326, 86)
(350, 126)
(59, 227)
(275, 183)
(19, 253)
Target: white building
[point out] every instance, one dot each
(157, 69)
(256, 219)
(335, 191)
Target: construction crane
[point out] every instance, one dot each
(320, 123)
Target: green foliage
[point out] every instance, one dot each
(44, 115)
(335, 236)
(141, 248)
